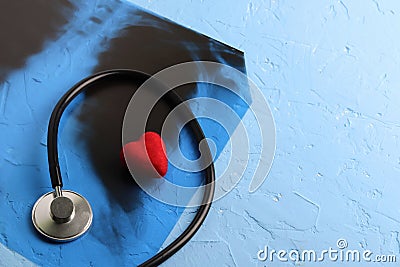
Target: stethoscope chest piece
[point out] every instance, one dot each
(62, 215)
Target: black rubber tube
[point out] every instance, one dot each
(172, 98)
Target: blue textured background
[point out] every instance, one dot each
(331, 73)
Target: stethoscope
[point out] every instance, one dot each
(64, 215)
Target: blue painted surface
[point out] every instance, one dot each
(330, 70)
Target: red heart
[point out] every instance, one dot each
(147, 156)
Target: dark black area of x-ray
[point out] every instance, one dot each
(25, 26)
(149, 47)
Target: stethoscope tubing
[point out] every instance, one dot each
(172, 98)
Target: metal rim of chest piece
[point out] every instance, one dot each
(62, 217)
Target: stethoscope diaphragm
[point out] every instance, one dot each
(62, 216)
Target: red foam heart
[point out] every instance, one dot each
(147, 156)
